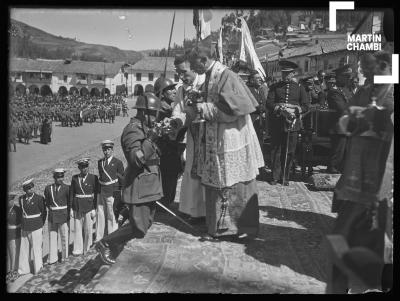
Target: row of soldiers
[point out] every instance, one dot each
(88, 197)
(30, 116)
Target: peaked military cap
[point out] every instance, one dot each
(27, 184)
(330, 78)
(83, 162)
(107, 143)
(343, 70)
(287, 66)
(59, 172)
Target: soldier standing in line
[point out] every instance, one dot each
(110, 170)
(57, 201)
(337, 99)
(142, 184)
(14, 218)
(33, 219)
(286, 100)
(83, 197)
(12, 138)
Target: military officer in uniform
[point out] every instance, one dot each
(14, 218)
(286, 100)
(83, 194)
(57, 199)
(110, 170)
(142, 184)
(338, 97)
(171, 150)
(33, 218)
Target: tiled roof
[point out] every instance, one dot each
(154, 64)
(58, 66)
(22, 64)
(324, 46)
(270, 48)
(94, 68)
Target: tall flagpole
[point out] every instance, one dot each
(169, 44)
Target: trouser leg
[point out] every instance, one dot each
(53, 246)
(291, 152)
(100, 219)
(63, 235)
(141, 217)
(169, 183)
(338, 147)
(23, 266)
(37, 240)
(87, 232)
(13, 248)
(78, 238)
(112, 224)
(276, 139)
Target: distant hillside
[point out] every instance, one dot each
(30, 42)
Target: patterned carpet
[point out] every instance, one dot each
(288, 256)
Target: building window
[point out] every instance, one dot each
(99, 77)
(151, 77)
(138, 77)
(47, 75)
(306, 66)
(31, 75)
(65, 78)
(176, 78)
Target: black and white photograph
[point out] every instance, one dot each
(200, 150)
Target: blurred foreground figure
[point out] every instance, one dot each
(362, 195)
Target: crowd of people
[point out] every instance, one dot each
(211, 130)
(31, 116)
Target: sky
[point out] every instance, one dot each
(127, 29)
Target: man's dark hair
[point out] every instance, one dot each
(180, 59)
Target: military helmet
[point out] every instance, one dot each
(161, 84)
(153, 102)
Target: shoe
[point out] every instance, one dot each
(105, 253)
(76, 255)
(273, 182)
(209, 238)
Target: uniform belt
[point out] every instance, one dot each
(82, 196)
(58, 208)
(13, 226)
(153, 162)
(32, 216)
(108, 183)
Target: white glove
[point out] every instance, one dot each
(93, 214)
(71, 214)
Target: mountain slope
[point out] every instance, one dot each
(31, 42)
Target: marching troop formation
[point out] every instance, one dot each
(211, 130)
(32, 116)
